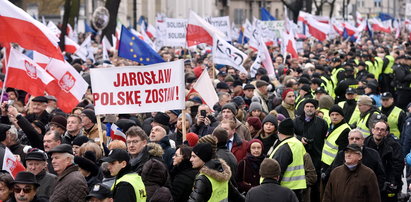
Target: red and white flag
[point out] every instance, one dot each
(290, 44)
(317, 29)
(204, 87)
(25, 74)
(377, 26)
(70, 45)
(11, 164)
(116, 133)
(200, 31)
(19, 27)
(68, 87)
(151, 31)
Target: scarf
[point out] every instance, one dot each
(289, 108)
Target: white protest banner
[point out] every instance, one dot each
(175, 32)
(222, 24)
(138, 89)
(226, 54)
(272, 28)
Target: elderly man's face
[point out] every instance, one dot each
(356, 138)
(24, 192)
(60, 162)
(38, 107)
(157, 133)
(35, 166)
(309, 109)
(352, 157)
(363, 108)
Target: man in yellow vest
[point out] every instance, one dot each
(367, 110)
(396, 116)
(211, 184)
(128, 185)
(290, 155)
(349, 106)
(337, 137)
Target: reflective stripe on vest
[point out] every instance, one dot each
(362, 125)
(393, 121)
(388, 69)
(378, 63)
(299, 102)
(220, 189)
(330, 148)
(370, 67)
(326, 115)
(294, 175)
(355, 116)
(328, 86)
(334, 74)
(135, 180)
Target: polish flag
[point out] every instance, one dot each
(116, 133)
(351, 30)
(11, 164)
(70, 45)
(199, 31)
(25, 74)
(41, 59)
(68, 87)
(291, 45)
(19, 27)
(204, 87)
(317, 29)
(151, 30)
(378, 26)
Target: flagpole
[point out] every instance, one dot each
(3, 89)
(184, 124)
(100, 132)
(213, 72)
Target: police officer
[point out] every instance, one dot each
(290, 155)
(349, 106)
(367, 110)
(402, 80)
(396, 116)
(128, 185)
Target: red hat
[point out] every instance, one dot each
(255, 122)
(285, 91)
(192, 139)
(251, 142)
(197, 71)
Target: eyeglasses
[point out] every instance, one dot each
(380, 129)
(26, 190)
(133, 141)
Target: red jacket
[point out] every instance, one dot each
(239, 148)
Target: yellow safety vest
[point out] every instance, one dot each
(294, 175)
(330, 148)
(362, 125)
(326, 116)
(334, 74)
(391, 61)
(355, 115)
(378, 63)
(220, 189)
(393, 121)
(328, 86)
(135, 180)
(370, 67)
(299, 101)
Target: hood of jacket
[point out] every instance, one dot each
(155, 149)
(217, 169)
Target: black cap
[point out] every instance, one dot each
(3, 129)
(336, 59)
(353, 147)
(312, 101)
(306, 88)
(63, 148)
(350, 91)
(222, 85)
(320, 90)
(40, 99)
(248, 86)
(36, 154)
(25, 177)
(161, 118)
(99, 191)
(386, 95)
(117, 155)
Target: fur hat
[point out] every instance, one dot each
(270, 168)
(286, 127)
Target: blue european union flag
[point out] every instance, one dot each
(385, 16)
(133, 48)
(265, 15)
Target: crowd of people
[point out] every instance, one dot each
(331, 125)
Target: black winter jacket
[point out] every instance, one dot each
(270, 190)
(182, 180)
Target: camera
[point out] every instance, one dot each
(203, 113)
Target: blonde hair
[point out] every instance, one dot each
(117, 144)
(91, 146)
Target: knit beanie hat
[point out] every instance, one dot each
(364, 100)
(161, 118)
(272, 119)
(255, 106)
(203, 151)
(286, 127)
(336, 108)
(238, 101)
(60, 121)
(90, 114)
(212, 140)
(254, 122)
(251, 142)
(80, 140)
(326, 102)
(188, 117)
(231, 107)
(280, 117)
(312, 101)
(285, 91)
(270, 168)
(192, 139)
